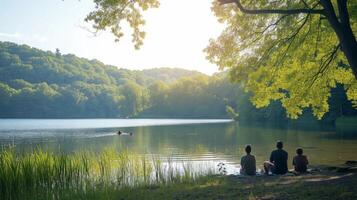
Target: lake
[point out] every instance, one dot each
(195, 141)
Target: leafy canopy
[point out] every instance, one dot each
(110, 14)
(295, 59)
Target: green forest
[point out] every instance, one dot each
(45, 84)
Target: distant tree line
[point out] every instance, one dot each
(39, 84)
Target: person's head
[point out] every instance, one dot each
(279, 144)
(299, 151)
(248, 149)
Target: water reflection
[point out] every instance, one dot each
(212, 143)
(349, 133)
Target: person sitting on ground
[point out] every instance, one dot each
(300, 161)
(248, 163)
(278, 163)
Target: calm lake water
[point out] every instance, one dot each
(195, 141)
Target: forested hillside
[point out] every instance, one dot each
(39, 84)
(168, 75)
(35, 83)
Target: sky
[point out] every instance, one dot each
(176, 33)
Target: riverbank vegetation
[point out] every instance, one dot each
(44, 175)
(39, 84)
(113, 175)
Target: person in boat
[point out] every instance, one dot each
(278, 162)
(248, 163)
(300, 162)
(122, 133)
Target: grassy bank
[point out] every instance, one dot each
(43, 175)
(121, 175)
(316, 186)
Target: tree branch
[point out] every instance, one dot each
(318, 35)
(289, 39)
(272, 24)
(324, 64)
(272, 11)
(331, 15)
(305, 4)
(343, 12)
(292, 38)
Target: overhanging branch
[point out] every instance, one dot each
(272, 11)
(324, 64)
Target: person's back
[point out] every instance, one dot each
(248, 163)
(280, 159)
(300, 161)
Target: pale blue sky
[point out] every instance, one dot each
(177, 32)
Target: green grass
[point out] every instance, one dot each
(45, 175)
(308, 187)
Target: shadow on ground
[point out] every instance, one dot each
(313, 186)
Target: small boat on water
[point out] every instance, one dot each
(124, 133)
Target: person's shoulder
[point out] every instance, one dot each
(244, 157)
(274, 151)
(251, 156)
(278, 151)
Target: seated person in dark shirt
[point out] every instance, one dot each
(300, 161)
(248, 163)
(278, 163)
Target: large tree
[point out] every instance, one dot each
(337, 15)
(293, 51)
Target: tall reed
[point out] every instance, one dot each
(51, 176)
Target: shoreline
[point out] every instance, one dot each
(121, 175)
(317, 185)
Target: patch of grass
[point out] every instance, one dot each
(44, 175)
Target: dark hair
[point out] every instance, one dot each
(248, 148)
(279, 144)
(299, 151)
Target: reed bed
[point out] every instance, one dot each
(43, 175)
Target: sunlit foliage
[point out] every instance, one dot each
(109, 14)
(35, 83)
(295, 59)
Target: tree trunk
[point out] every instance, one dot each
(341, 26)
(349, 47)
